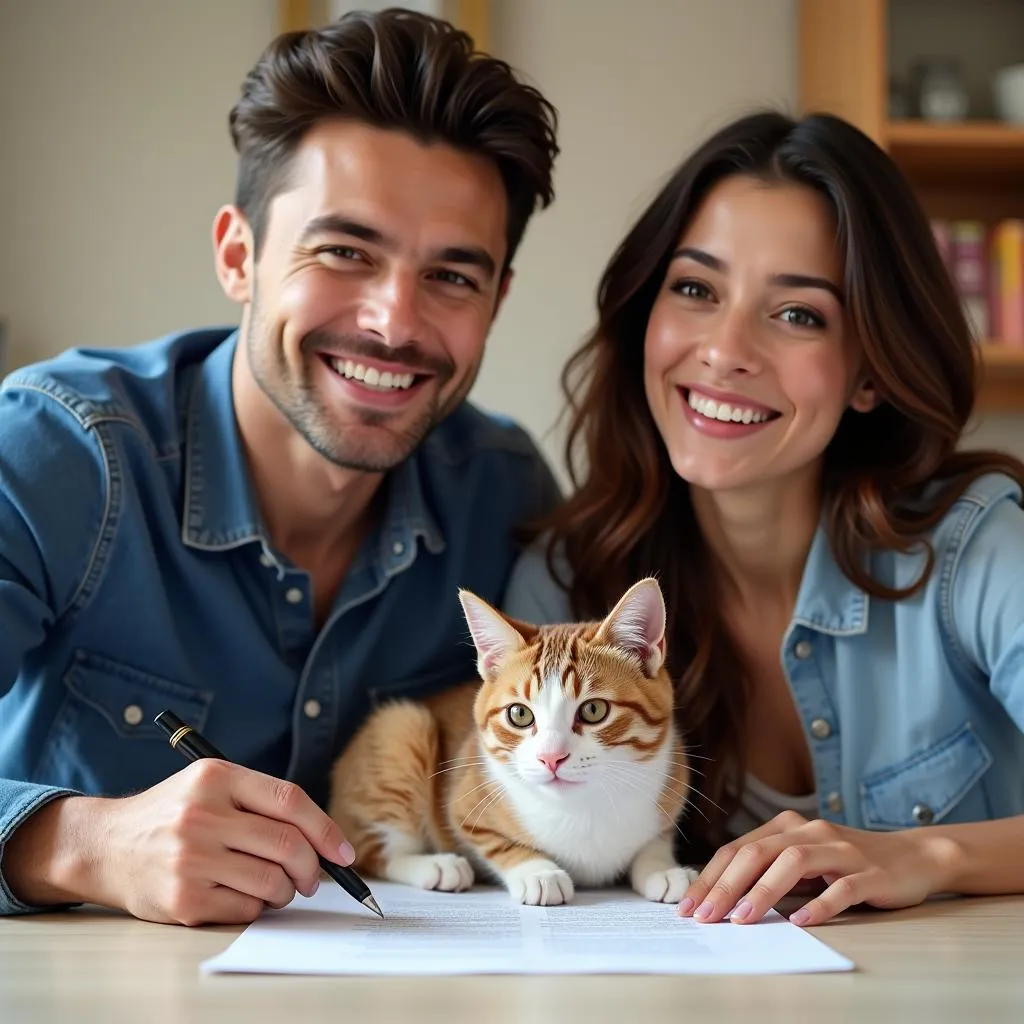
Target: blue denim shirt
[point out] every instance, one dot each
(136, 575)
(913, 710)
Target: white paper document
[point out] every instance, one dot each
(484, 932)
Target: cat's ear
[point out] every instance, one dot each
(495, 637)
(636, 625)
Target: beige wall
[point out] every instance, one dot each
(114, 156)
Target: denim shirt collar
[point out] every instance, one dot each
(827, 601)
(219, 509)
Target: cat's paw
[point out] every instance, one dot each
(445, 872)
(666, 886)
(539, 883)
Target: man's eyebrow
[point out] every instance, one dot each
(336, 224)
(472, 255)
(786, 280)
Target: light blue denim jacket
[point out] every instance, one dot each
(913, 710)
(136, 575)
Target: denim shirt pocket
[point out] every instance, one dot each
(107, 704)
(926, 787)
(422, 686)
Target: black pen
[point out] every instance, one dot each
(189, 743)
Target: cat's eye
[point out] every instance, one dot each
(519, 715)
(593, 711)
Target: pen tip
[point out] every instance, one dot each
(372, 904)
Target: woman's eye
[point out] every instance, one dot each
(800, 317)
(519, 715)
(593, 711)
(691, 289)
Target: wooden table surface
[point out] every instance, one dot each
(950, 960)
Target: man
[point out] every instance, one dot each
(264, 530)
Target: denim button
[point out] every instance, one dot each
(834, 802)
(922, 814)
(820, 729)
(398, 547)
(132, 714)
(293, 595)
(266, 561)
(802, 650)
(311, 709)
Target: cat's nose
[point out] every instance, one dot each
(552, 760)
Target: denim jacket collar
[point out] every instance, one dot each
(828, 602)
(220, 509)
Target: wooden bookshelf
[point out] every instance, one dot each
(1002, 386)
(971, 169)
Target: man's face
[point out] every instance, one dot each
(374, 289)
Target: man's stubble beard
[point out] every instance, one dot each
(300, 403)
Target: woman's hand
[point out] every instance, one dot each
(752, 873)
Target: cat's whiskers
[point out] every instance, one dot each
(487, 800)
(457, 767)
(486, 782)
(680, 764)
(465, 759)
(633, 784)
(682, 796)
(620, 776)
(688, 790)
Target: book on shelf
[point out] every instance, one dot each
(986, 262)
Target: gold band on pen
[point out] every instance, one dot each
(179, 734)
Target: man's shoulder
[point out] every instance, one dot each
(481, 471)
(140, 384)
(471, 433)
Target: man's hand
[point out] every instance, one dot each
(213, 844)
(754, 872)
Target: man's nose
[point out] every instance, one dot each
(391, 309)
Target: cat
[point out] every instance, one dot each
(560, 768)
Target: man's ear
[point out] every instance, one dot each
(233, 253)
(503, 286)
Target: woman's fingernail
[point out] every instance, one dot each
(742, 911)
(348, 854)
(686, 905)
(801, 916)
(706, 909)
(316, 885)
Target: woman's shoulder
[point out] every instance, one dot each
(988, 511)
(537, 588)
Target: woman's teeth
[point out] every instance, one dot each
(723, 411)
(370, 376)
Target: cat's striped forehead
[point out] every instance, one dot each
(566, 656)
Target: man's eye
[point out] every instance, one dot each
(343, 252)
(453, 277)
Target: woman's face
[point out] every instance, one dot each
(750, 361)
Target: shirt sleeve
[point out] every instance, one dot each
(52, 507)
(987, 600)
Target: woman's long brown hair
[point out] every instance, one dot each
(630, 515)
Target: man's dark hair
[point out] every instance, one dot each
(393, 69)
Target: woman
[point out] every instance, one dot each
(769, 412)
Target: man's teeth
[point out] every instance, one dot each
(725, 412)
(371, 377)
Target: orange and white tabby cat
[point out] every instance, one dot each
(562, 768)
